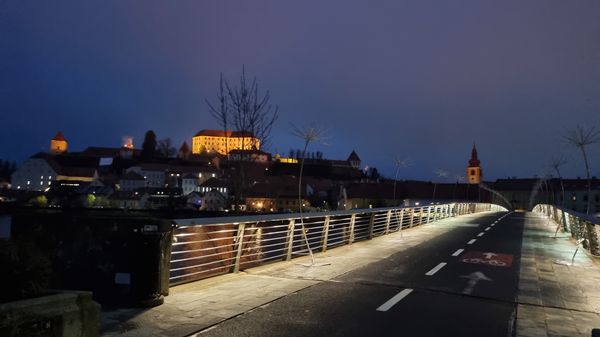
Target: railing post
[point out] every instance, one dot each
(371, 224)
(352, 222)
(565, 222)
(239, 240)
(596, 230)
(325, 234)
(401, 219)
(412, 218)
(429, 214)
(421, 216)
(592, 238)
(289, 240)
(388, 218)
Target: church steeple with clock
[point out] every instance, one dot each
(474, 173)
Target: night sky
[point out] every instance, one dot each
(419, 80)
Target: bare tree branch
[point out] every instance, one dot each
(581, 138)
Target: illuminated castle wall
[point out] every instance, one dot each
(222, 142)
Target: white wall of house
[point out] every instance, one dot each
(35, 175)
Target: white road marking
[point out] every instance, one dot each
(457, 253)
(487, 229)
(436, 269)
(480, 234)
(474, 278)
(492, 225)
(392, 301)
(472, 241)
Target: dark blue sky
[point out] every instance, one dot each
(411, 79)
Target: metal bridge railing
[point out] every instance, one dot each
(206, 247)
(584, 229)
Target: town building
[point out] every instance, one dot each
(223, 141)
(256, 156)
(213, 200)
(474, 173)
(42, 169)
(131, 181)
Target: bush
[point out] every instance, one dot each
(26, 271)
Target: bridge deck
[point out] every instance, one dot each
(553, 298)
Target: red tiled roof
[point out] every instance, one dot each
(59, 136)
(221, 133)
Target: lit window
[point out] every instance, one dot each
(28, 182)
(42, 177)
(41, 183)
(213, 175)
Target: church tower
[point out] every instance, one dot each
(58, 144)
(474, 173)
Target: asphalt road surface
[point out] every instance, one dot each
(462, 283)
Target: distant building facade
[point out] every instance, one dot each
(223, 141)
(39, 171)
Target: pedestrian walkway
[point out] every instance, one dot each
(557, 297)
(199, 305)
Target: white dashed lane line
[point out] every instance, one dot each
(472, 241)
(480, 234)
(392, 301)
(436, 269)
(457, 253)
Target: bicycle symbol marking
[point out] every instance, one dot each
(482, 261)
(487, 258)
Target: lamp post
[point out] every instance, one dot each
(440, 174)
(400, 163)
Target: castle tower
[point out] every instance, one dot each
(474, 173)
(354, 160)
(58, 144)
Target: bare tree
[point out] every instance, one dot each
(165, 148)
(581, 138)
(252, 112)
(221, 111)
(556, 163)
(308, 134)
